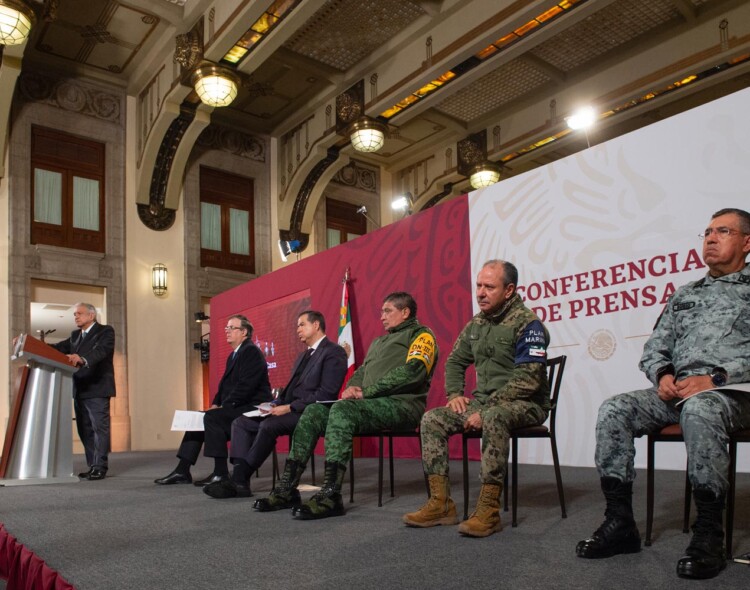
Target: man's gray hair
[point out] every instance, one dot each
(510, 271)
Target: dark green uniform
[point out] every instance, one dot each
(508, 351)
(394, 377)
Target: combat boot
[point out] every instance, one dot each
(439, 509)
(485, 519)
(327, 502)
(705, 556)
(285, 494)
(618, 533)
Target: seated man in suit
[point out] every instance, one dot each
(91, 348)
(317, 375)
(389, 390)
(244, 385)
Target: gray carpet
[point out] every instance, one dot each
(126, 532)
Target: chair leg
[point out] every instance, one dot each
(466, 475)
(380, 471)
(558, 474)
(275, 468)
(351, 480)
(730, 495)
(506, 490)
(514, 482)
(312, 467)
(390, 463)
(688, 500)
(649, 491)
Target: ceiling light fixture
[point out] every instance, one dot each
(484, 175)
(216, 85)
(16, 20)
(367, 135)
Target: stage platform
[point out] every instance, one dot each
(125, 532)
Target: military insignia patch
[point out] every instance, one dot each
(683, 306)
(423, 348)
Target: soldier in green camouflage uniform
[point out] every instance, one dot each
(507, 344)
(700, 342)
(388, 391)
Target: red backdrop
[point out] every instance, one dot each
(426, 254)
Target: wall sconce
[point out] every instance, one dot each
(200, 317)
(484, 175)
(159, 279)
(286, 247)
(367, 135)
(216, 86)
(16, 20)
(403, 203)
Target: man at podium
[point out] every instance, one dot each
(91, 348)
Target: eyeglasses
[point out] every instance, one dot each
(721, 232)
(227, 328)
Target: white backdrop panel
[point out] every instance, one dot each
(601, 239)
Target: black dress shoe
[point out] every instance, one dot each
(174, 478)
(97, 473)
(86, 474)
(227, 489)
(210, 479)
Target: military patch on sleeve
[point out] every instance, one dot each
(683, 306)
(532, 345)
(423, 349)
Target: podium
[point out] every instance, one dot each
(38, 444)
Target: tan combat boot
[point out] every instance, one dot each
(439, 509)
(485, 519)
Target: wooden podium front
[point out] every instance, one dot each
(38, 444)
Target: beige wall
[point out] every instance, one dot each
(4, 307)
(156, 345)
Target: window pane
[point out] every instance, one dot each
(47, 196)
(350, 236)
(333, 237)
(210, 226)
(85, 203)
(239, 240)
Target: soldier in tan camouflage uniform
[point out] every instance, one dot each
(507, 344)
(388, 391)
(700, 342)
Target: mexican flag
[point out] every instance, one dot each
(345, 332)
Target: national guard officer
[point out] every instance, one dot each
(701, 342)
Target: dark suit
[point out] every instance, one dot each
(253, 439)
(93, 385)
(244, 385)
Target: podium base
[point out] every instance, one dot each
(34, 481)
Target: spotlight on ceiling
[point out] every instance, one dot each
(403, 203)
(286, 247)
(367, 135)
(484, 175)
(16, 20)
(583, 118)
(216, 85)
